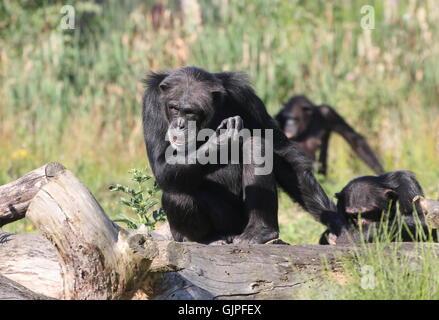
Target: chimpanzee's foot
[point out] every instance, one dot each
(277, 241)
(218, 241)
(256, 237)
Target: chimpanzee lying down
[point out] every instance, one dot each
(223, 201)
(369, 204)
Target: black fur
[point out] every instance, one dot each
(376, 198)
(206, 203)
(311, 126)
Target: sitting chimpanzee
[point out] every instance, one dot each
(228, 201)
(369, 204)
(311, 126)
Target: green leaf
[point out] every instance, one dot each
(140, 200)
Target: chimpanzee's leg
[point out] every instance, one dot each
(323, 157)
(260, 194)
(185, 215)
(223, 205)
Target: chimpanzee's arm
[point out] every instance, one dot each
(405, 228)
(406, 186)
(414, 228)
(292, 168)
(355, 140)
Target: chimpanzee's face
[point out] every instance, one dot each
(295, 117)
(189, 104)
(364, 196)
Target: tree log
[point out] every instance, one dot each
(89, 257)
(95, 258)
(16, 196)
(11, 290)
(32, 261)
(195, 271)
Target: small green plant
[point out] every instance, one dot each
(142, 200)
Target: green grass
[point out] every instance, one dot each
(74, 96)
(380, 271)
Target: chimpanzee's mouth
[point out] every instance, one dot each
(177, 143)
(177, 138)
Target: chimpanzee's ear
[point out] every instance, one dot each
(337, 195)
(391, 194)
(153, 80)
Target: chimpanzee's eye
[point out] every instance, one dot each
(173, 108)
(172, 104)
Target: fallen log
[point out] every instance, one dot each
(177, 270)
(84, 255)
(194, 271)
(10, 290)
(32, 261)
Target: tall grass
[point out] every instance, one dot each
(384, 269)
(380, 271)
(74, 96)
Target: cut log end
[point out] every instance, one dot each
(16, 196)
(53, 169)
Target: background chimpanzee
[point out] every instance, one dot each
(223, 202)
(311, 126)
(369, 202)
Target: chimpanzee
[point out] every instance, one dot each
(369, 203)
(311, 126)
(223, 202)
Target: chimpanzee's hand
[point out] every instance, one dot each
(228, 130)
(328, 238)
(347, 236)
(337, 227)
